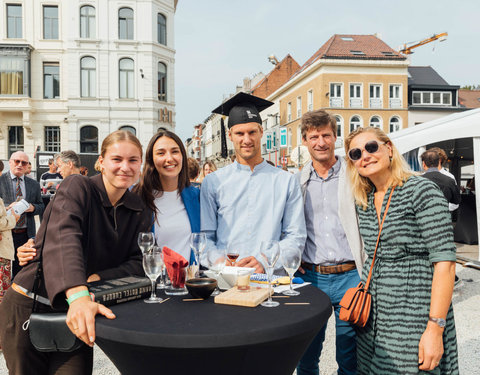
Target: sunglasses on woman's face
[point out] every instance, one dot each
(371, 147)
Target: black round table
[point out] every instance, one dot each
(201, 337)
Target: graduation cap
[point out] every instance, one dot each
(243, 108)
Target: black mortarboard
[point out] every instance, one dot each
(243, 108)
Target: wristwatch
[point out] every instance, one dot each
(441, 322)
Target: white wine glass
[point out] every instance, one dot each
(291, 259)
(215, 262)
(270, 251)
(152, 265)
(198, 242)
(145, 241)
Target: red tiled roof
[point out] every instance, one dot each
(280, 74)
(469, 98)
(357, 47)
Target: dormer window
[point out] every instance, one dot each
(430, 98)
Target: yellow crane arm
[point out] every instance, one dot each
(408, 50)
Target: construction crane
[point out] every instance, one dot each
(407, 50)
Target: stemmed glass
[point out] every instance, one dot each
(215, 262)
(161, 282)
(145, 241)
(270, 251)
(153, 264)
(233, 252)
(198, 241)
(232, 256)
(291, 258)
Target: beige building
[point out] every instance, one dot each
(357, 78)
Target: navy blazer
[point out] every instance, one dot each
(191, 199)
(33, 196)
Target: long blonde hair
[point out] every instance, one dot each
(362, 186)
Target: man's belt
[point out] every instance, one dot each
(19, 230)
(338, 268)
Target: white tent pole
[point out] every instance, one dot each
(476, 166)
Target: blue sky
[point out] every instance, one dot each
(219, 42)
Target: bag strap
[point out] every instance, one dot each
(39, 273)
(367, 284)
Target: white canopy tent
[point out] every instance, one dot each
(459, 125)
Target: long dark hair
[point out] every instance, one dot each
(150, 180)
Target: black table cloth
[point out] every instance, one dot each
(466, 228)
(201, 337)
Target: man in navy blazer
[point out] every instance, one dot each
(14, 184)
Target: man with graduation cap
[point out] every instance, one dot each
(249, 201)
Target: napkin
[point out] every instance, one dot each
(175, 264)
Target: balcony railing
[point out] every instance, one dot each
(336, 102)
(395, 103)
(355, 103)
(375, 103)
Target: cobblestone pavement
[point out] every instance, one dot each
(466, 302)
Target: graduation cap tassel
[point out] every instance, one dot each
(223, 139)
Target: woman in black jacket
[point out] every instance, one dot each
(89, 233)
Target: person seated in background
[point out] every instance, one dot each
(52, 174)
(68, 163)
(193, 172)
(165, 188)
(89, 233)
(470, 188)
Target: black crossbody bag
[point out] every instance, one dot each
(49, 331)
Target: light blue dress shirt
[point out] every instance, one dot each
(326, 239)
(240, 206)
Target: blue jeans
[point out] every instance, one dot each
(334, 285)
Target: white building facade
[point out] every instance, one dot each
(71, 72)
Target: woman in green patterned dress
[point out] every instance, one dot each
(411, 329)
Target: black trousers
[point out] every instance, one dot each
(20, 355)
(19, 239)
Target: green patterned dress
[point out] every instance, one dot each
(417, 232)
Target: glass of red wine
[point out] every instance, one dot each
(232, 256)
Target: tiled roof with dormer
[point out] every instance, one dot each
(355, 47)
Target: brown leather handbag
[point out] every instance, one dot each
(356, 303)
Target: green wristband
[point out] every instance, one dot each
(75, 296)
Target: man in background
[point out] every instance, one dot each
(441, 168)
(15, 186)
(52, 174)
(431, 163)
(68, 163)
